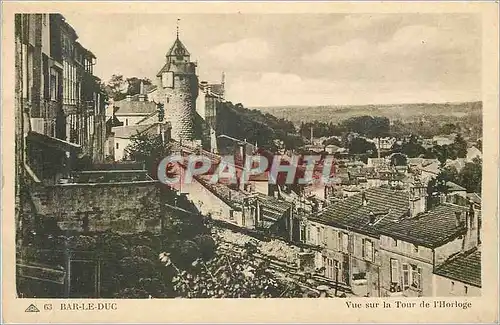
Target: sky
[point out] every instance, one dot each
(300, 59)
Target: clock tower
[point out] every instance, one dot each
(178, 89)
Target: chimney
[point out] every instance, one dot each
(203, 85)
(142, 93)
(372, 218)
(364, 200)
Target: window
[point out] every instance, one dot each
(308, 234)
(395, 243)
(323, 235)
(415, 248)
(345, 243)
(53, 85)
(466, 289)
(117, 146)
(302, 233)
(318, 235)
(330, 267)
(168, 100)
(394, 271)
(367, 251)
(167, 79)
(334, 241)
(416, 273)
(452, 288)
(126, 121)
(406, 276)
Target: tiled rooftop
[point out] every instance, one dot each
(385, 203)
(431, 229)
(126, 132)
(391, 211)
(464, 267)
(135, 107)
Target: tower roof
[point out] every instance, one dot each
(178, 49)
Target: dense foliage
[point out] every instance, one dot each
(254, 126)
(118, 87)
(149, 150)
(470, 177)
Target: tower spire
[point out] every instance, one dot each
(178, 20)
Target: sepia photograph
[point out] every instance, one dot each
(250, 155)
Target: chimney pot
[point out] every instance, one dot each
(364, 200)
(372, 217)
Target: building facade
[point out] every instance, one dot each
(59, 99)
(384, 242)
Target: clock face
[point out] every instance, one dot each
(179, 51)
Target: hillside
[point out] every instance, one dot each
(256, 127)
(446, 112)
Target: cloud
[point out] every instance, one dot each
(422, 38)
(277, 89)
(414, 40)
(355, 49)
(243, 50)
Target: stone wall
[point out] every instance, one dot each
(123, 207)
(180, 106)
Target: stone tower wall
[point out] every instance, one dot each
(180, 108)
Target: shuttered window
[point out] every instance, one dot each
(394, 271)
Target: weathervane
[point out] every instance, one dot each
(178, 20)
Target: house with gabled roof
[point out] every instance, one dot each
(460, 275)
(383, 242)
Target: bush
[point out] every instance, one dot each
(206, 245)
(184, 253)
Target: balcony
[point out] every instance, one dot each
(395, 294)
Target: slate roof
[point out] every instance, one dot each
(177, 44)
(391, 211)
(453, 187)
(134, 106)
(217, 88)
(388, 205)
(474, 197)
(273, 203)
(430, 229)
(464, 267)
(126, 132)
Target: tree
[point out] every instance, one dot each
(134, 85)
(148, 149)
(369, 126)
(460, 146)
(470, 176)
(362, 146)
(115, 87)
(411, 148)
(448, 128)
(398, 159)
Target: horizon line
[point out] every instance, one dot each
(358, 105)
